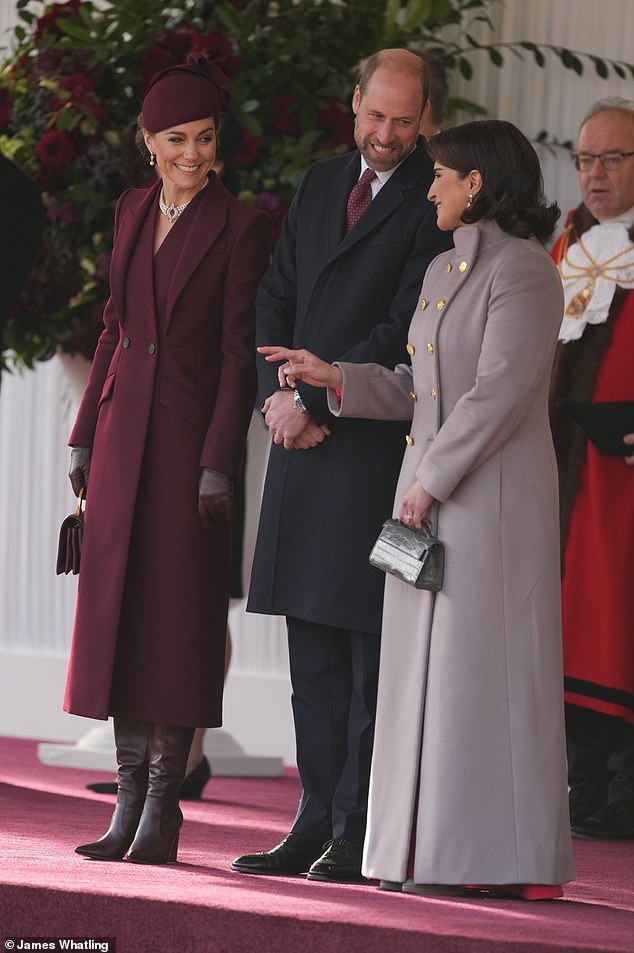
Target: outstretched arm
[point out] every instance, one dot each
(303, 366)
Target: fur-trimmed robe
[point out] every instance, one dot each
(597, 510)
(575, 373)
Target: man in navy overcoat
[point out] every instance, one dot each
(345, 295)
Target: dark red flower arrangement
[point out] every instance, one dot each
(69, 97)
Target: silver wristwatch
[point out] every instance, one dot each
(298, 403)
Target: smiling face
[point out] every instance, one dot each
(387, 117)
(608, 194)
(184, 156)
(450, 194)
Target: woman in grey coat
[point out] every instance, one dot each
(468, 785)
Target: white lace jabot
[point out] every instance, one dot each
(590, 271)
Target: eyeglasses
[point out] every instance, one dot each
(611, 161)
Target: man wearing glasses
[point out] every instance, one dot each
(595, 366)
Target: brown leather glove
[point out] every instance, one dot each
(79, 468)
(215, 497)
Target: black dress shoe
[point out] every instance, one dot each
(103, 787)
(340, 863)
(612, 822)
(294, 855)
(582, 806)
(194, 782)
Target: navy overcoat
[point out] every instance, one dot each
(350, 299)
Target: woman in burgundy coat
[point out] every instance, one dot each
(158, 442)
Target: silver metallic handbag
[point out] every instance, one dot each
(413, 555)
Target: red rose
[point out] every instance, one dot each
(48, 22)
(285, 119)
(172, 49)
(337, 125)
(249, 150)
(218, 48)
(54, 150)
(6, 107)
(78, 85)
(177, 42)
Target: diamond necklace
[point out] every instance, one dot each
(171, 212)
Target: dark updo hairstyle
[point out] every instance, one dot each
(512, 192)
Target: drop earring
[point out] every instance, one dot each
(469, 200)
(152, 159)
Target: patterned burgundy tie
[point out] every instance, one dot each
(360, 198)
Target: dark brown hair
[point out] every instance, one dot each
(438, 86)
(512, 192)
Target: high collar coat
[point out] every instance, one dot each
(168, 393)
(469, 746)
(343, 297)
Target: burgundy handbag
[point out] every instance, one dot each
(70, 538)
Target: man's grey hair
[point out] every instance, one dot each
(609, 105)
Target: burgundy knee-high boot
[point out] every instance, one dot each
(156, 839)
(132, 745)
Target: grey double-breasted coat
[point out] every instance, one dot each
(469, 746)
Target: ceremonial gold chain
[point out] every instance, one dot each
(579, 302)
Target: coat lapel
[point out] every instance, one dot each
(132, 216)
(389, 199)
(338, 201)
(209, 221)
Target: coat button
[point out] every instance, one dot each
(430, 348)
(412, 395)
(411, 350)
(448, 267)
(463, 266)
(441, 304)
(409, 441)
(423, 304)
(125, 342)
(434, 393)
(151, 348)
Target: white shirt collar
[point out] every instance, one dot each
(627, 218)
(381, 177)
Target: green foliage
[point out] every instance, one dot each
(73, 80)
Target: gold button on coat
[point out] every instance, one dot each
(463, 266)
(412, 395)
(434, 394)
(448, 267)
(423, 304)
(441, 304)
(430, 348)
(411, 350)
(409, 440)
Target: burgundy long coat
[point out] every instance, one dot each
(171, 390)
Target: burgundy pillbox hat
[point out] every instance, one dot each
(178, 94)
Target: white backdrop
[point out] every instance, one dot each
(553, 98)
(36, 410)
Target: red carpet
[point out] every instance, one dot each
(201, 906)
